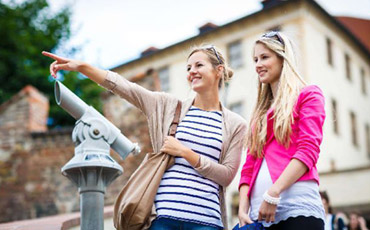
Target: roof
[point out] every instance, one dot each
(277, 4)
(28, 90)
(360, 27)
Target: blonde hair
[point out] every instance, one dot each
(216, 58)
(290, 85)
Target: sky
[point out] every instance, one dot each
(112, 32)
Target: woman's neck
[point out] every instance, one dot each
(274, 88)
(208, 102)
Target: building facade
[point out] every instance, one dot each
(330, 57)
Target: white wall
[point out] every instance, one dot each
(347, 94)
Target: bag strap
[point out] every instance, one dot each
(176, 119)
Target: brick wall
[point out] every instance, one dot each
(24, 113)
(31, 183)
(31, 157)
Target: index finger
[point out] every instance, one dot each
(53, 56)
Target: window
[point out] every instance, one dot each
(235, 54)
(335, 116)
(348, 66)
(329, 51)
(164, 79)
(367, 131)
(363, 82)
(354, 129)
(237, 107)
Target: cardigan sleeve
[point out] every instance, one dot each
(311, 112)
(247, 170)
(143, 99)
(223, 173)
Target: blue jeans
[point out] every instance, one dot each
(170, 224)
(299, 222)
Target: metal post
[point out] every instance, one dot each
(92, 200)
(92, 169)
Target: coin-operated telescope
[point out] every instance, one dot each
(92, 168)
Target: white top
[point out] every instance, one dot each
(183, 193)
(328, 224)
(300, 199)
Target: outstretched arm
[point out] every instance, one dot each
(61, 63)
(140, 97)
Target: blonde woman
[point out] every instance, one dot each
(208, 144)
(279, 184)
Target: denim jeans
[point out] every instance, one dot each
(299, 222)
(172, 224)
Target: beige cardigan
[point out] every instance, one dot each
(159, 108)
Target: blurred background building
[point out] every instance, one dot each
(334, 54)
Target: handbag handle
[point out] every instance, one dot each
(176, 119)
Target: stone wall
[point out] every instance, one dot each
(31, 183)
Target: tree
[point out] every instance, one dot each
(26, 29)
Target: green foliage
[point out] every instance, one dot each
(26, 29)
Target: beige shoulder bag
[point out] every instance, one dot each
(134, 203)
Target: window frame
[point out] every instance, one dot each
(231, 56)
(329, 51)
(354, 136)
(161, 70)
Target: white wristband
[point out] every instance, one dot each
(271, 200)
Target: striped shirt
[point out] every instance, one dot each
(183, 193)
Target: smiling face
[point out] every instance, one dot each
(268, 64)
(202, 76)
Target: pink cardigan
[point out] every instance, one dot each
(306, 138)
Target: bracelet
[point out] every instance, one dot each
(271, 200)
